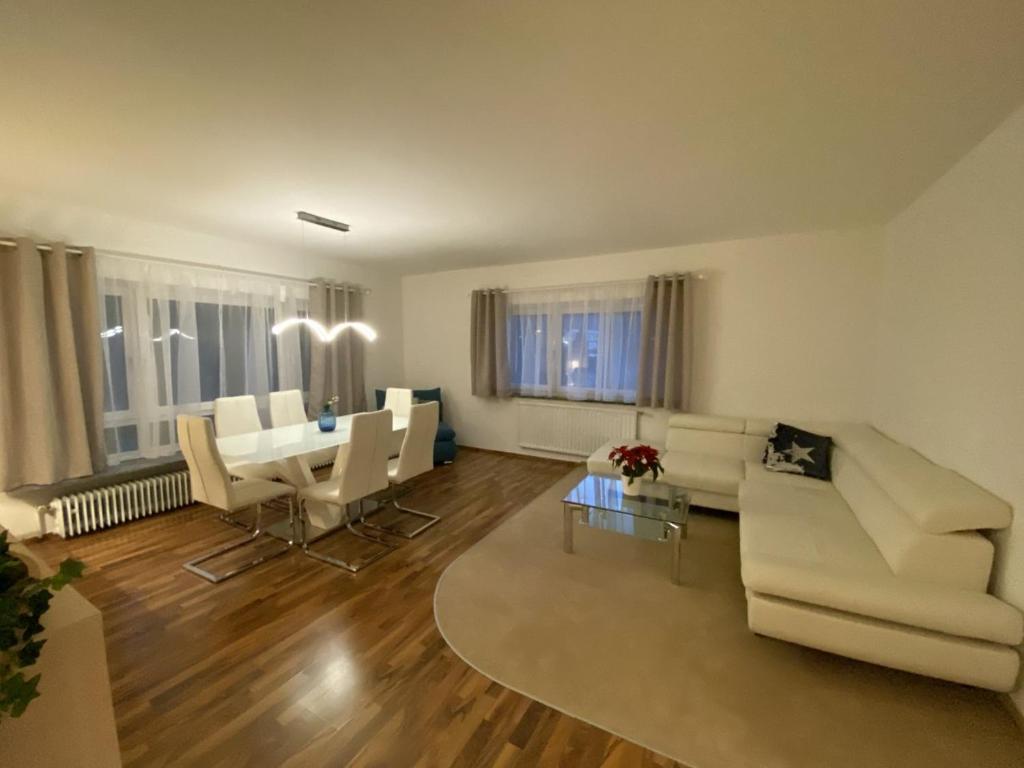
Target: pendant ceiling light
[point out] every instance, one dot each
(326, 335)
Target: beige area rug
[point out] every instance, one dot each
(604, 636)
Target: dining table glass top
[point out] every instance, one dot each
(280, 443)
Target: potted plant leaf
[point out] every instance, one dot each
(634, 462)
(24, 600)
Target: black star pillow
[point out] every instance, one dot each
(795, 450)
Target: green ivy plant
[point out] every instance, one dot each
(23, 601)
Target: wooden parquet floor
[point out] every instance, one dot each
(297, 663)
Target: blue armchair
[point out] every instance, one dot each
(444, 443)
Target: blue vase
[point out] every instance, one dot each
(327, 420)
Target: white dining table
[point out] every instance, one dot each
(288, 447)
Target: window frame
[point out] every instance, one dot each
(554, 314)
(129, 417)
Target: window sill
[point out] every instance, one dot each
(119, 473)
(555, 400)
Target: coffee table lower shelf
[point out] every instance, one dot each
(660, 514)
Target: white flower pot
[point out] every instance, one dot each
(628, 488)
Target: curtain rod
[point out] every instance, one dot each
(193, 264)
(72, 251)
(566, 285)
(696, 275)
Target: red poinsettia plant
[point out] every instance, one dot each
(636, 461)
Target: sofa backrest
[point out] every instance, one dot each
(937, 499)
(720, 436)
(922, 517)
(962, 559)
(724, 436)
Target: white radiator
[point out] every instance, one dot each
(574, 428)
(112, 505)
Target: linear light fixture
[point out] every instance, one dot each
(119, 329)
(322, 333)
(322, 221)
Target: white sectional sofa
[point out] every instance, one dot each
(885, 563)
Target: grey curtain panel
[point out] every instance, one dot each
(488, 352)
(337, 368)
(663, 377)
(51, 366)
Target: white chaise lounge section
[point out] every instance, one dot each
(884, 564)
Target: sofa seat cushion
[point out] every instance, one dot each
(805, 544)
(959, 612)
(810, 527)
(756, 471)
(703, 472)
(444, 432)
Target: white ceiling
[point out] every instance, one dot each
(457, 133)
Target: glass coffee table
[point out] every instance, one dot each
(659, 512)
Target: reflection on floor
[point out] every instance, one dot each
(297, 663)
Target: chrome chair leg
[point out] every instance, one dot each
(387, 547)
(193, 566)
(226, 517)
(431, 519)
(230, 519)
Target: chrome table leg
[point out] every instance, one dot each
(675, 539)
(568, 511)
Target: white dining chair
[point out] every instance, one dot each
(415, 458)
(398, 401)
(360, 469)
(236, 415)
(212, 485)
(239, 416)
(288, 410)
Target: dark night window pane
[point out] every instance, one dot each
(528, 350)
(115, 391)
(208, 333)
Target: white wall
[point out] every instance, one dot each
(783, 327)
(951, 333)
(23, 213)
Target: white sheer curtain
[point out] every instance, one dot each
(176, 338)
(579, 343)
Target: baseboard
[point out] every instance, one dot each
(1013, 709)
(526, 454)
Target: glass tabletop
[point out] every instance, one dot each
(657, 501)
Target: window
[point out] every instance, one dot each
(594, 340)
(528, 350)
(174, 342)
(589, 337)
